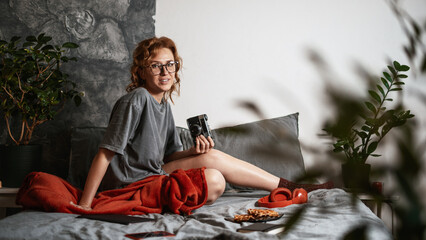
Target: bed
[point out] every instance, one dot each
(271, 144)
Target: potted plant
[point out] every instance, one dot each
(360, 139)
(33, 89)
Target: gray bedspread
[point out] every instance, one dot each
(329, 214)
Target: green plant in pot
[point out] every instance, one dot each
(33, 90)
(359, 135)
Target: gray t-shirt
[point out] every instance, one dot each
(141, 132)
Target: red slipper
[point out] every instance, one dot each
(279, 194)
(282, 197)
(300, 196)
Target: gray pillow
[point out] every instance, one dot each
(270, 144)
(185, 137)
(84, 146)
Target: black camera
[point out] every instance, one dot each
(198, 126)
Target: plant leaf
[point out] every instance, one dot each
(404, 68)
(363, 135)
(46, 39)
(15, 39)
(385, 83)
(70, 45)
(381, 90)
(370, 122)
(40, 37)
(392, 70)
(26, 44)
(396, 65)
(371, 107)
(366, 128)
(47, 47)
(423, 64)
(375, 96)
(388, 76)
(338, 149)
(31, 39)
(372, 147)
(77, 100)
(399, 83)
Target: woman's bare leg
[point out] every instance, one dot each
(235, 171)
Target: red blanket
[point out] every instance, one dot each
(180, 192)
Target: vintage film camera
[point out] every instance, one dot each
(198, 125)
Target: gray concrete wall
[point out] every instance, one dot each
(107, 32)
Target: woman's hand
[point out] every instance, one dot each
(87, 208)
(202, 145)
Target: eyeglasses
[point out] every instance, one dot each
(156, 68)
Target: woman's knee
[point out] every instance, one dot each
(216, 184)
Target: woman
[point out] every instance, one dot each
(141, 139)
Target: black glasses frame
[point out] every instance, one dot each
(162, 67)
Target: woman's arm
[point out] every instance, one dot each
(202, 145)
(96, 173)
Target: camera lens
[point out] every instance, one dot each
(195, 130)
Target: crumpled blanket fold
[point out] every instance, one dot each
(180, 193)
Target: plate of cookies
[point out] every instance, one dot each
(255, 215)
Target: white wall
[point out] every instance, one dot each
(256, 50)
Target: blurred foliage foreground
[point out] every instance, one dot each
(406, 142)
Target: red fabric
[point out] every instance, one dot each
(180, 192)
(279, 194)
(282, 197)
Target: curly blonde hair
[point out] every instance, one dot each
(143, 53)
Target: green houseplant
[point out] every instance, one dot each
(358, 140)
(33, 89)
